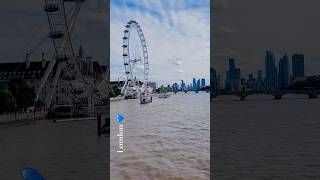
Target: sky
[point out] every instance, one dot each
(177, 34)
(246, 29)
(24, 24)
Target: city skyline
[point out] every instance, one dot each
(177, 48)
(203, 82)
(277, 60)
(279, 72)
(246, 33)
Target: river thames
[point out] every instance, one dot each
(261, 138)
(166, 139)
(64, 150)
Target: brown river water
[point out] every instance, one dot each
(59, 151)
(266, 139)
(166, 139)
(259, 138)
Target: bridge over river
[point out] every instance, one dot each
(277, 94)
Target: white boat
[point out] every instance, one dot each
(145, 98)
(131, 96)
(132, 93)
(164, 95)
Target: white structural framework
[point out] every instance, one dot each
(62, 16)
(130, 86)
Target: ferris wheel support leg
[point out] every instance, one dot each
(44, 79)
(55, 81)
(124, 88)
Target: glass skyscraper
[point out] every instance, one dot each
(198, 84)
(270, 69)
(194, 84)
(182, 86)
(297, 65)
(284, 72)
(232, 63)
(203, 82)
(233, 76)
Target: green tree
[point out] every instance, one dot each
(7, 103)
(23, 94)
(117, 91)
(112, 93)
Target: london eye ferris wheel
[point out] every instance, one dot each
(135, 60)
(62, 16)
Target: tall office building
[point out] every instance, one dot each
(194, 84)
(182, 86)
(284, 72)
(259, 75)
(175, 87)
(203, 82)
(251, 82)
(297, 65)
(232, 67)
(236, 79)
(259, 81)
(233, 76)
(198, 84)
(270, 69)
(232, 63)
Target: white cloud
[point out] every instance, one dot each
(176, 62)
(175, 38)
(180, 71)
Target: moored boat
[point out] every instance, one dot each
(131, 96)
(163, 95)
(145, 98)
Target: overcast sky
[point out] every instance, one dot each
(246, 29)
(24, 24)
(177, 34)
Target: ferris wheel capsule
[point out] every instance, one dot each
(51, 7)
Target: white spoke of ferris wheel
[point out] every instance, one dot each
(124, 88)
(45, 78)
(51, 91)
